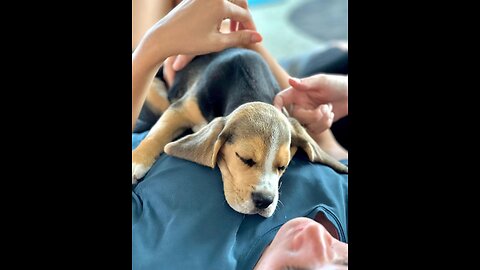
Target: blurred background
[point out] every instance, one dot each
(295, 27)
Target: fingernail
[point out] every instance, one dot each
(325, 109)
(175, 66)
(256, 37)
(297, 80)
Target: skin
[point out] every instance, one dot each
(317, 102)
(304, 244)
(145, 13)
(311, 99)
(186, 24)
(178, 62)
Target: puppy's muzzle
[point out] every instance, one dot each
(262, 200)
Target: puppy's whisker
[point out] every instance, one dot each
(280, 202)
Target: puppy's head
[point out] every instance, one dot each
(252, 147)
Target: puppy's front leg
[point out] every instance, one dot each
(157, 97)
(171, 124)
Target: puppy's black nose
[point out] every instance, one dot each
(262, 200)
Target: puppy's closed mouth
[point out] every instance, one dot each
(252, 211)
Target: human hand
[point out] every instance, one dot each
(192, 28)
(176, 63)
(315, 101)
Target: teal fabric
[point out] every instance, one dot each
(181, 220)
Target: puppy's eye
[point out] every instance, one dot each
(249, 162)
(281, 168)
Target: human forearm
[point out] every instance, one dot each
(146, 13)
(143, 72)
(327, 142)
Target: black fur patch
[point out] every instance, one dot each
(226, 80)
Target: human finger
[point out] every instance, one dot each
(168, 72)
(181, 61)
(297, 83)
(322, 124)
(284, 98)
(240, 14)
(307, 116)
(244, 37)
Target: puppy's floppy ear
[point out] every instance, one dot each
(202, 146)
(300, 138)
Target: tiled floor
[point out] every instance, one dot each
(294, 27)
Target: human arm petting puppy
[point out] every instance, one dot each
(186, 23)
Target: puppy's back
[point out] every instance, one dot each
(225, 80)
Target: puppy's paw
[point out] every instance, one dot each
(142, 161)
(138, 171)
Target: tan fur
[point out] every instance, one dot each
(157, 97)
(202, 146)
(250, 148)
(172, 123)
(241, 180)
(283, 156)
(192, 112)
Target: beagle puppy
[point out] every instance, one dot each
(226, 99)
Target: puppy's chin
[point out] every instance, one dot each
(241, 207)
(246, 206)
(266, 213)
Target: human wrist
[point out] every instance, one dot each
(150, 52)
(317, 137)
(143, 60)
